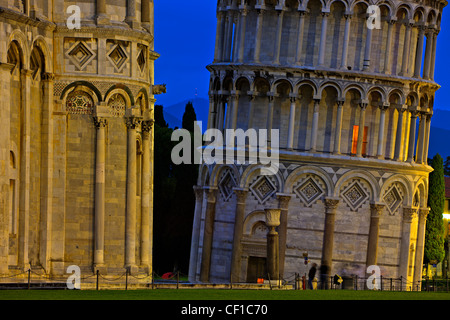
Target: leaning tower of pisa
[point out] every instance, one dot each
(351, 92)
(76, 114)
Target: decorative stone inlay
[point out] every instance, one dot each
(354, 196)
(80, 54)
(309, 191)
(118, 57)
(393, 199)
(226, 185)
(141, 60)
(79, 102)
(263, 189)
(117, 105)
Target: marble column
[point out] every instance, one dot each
(323, 38)
(412, 135)
(428, 54)
(291, 128)
(433, 56)
(242, 29)
(210, 214)
(427, 138)
(376, 210)
(273, 254)
(130, 221)
(259, 28)
(399, 136)
(338, 132)
(270, 110)
(362, 122)
(25, 174)
(241, 197)
(146, 212)
(198, 191)
(344, 58)
(381, 146)
(420, 242)
(283, 201)
(234, 98)
(331, 205)
(419, 52)
(387, 55)
(315, 125)
(220, 36)
(46, 187)
(421, 138)
(300, 31)
(251, 109)
(406, 52)
(277, 49)
(100, 163)
(405, 242)
(102, 17)
(367, 50)
(5, 149)
(131, 17)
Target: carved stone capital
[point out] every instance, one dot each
(147, 126)
(100, 122)
(133, 122)
(241, 195)
(331, 204)
(376, 209)
(409, 214)
(423, 214)
(283, 200)
(210, 193)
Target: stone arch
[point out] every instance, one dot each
(395, 192)
(218, 169)
(297, 174)
(253, 179)
(421, 192)
(355, 88)
(281, 84)
(142, 96)
(358, 174)
(419, 14)
(403, 12)
(242, 82)
(20, 40)
(388, 5)
(96, 95)
(397, 96)
(39, 42)
(80, 99)
(331, 84)
(38, 64)
(260, 85)
(118, 101)
(126, 91)
(306, 83)
(379, 90)
(204, 175)
(253, 219)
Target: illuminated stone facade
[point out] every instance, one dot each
(347, 100)
(76, 142)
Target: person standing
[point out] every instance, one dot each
(311, 275)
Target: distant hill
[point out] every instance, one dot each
(174, 114)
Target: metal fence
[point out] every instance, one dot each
(32, 279)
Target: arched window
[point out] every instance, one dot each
(117, 105)
(79, 102)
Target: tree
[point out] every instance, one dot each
(159, 117)
(189, 117)
(447, 167)
(434, 236)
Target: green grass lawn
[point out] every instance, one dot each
(218, 294)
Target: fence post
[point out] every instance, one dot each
(97, 278)
(29, 277)
(126, 279)
(153, 280)
(270, 284)
(381, 282)
(178, 278)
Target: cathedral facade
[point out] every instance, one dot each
(349, 85)
(76, 142)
